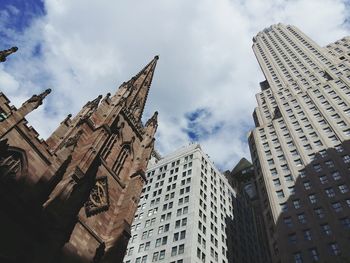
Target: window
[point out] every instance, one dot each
(319, 212)
(302, 218)
(298, 258)
(345, 222)
(317, 167)
(284, 207)
(334, 249)
(323, 179)
(307, 185)
(296, 204)
(289, 178)
(329, 163)
(323, 153)
(326, 229)
(181, 249)
(312, 199)
(307, 234)
(314, 254)
(298, 162)
(302, 173)
(174, 251)
(346, 158)
(270, 162)
(273, 172)
(336, 175)
(288, 221)
(131, 250)
(285, 168)
(280, 194)
(330, 192)
(161, 254)
(292, 238)
(343, 188)
(339, 148)
(276, 182)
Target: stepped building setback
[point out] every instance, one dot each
(300, 146)
(72, 198)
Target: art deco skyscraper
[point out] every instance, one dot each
(300, 146)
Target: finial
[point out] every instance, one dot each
(156, 57)
(107, 97)
(39, 98)
(94, 103)
(7, 52)
(153, 119)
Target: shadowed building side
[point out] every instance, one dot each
(300, 148)
(246, 231)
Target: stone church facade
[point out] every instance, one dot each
(72, 197)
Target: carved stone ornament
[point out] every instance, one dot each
(98, 200)
(74, 139)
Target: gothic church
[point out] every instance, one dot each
(72, 198)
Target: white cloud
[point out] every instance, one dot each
(90, 47)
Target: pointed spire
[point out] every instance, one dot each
(34, 102)
(139, 87)
(39, 98)
(7, 52)
(153, 120)
(94, 104)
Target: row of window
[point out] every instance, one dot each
(334, 250)
(343, 189)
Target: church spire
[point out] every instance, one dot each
(139, 87)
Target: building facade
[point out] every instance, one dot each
(247, 238)
(72, 197)
(182, 214)
(300, 146)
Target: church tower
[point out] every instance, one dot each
(72, 198)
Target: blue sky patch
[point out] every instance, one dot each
(16, 16)
(198, 127)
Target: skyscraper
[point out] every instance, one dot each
(72, 198)
(247, 238)
(300, 146)
(182, 214)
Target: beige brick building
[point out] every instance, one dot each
(72, 198)
(300, 146)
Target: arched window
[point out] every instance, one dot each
(123, 155)
(13, 165)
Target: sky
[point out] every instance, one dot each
(206, 78)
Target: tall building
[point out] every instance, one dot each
(247, 238)
(300, 146)
(72, 197)
(182, 214)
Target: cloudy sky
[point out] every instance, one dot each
(206, 78)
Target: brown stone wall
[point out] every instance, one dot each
(74, 196)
